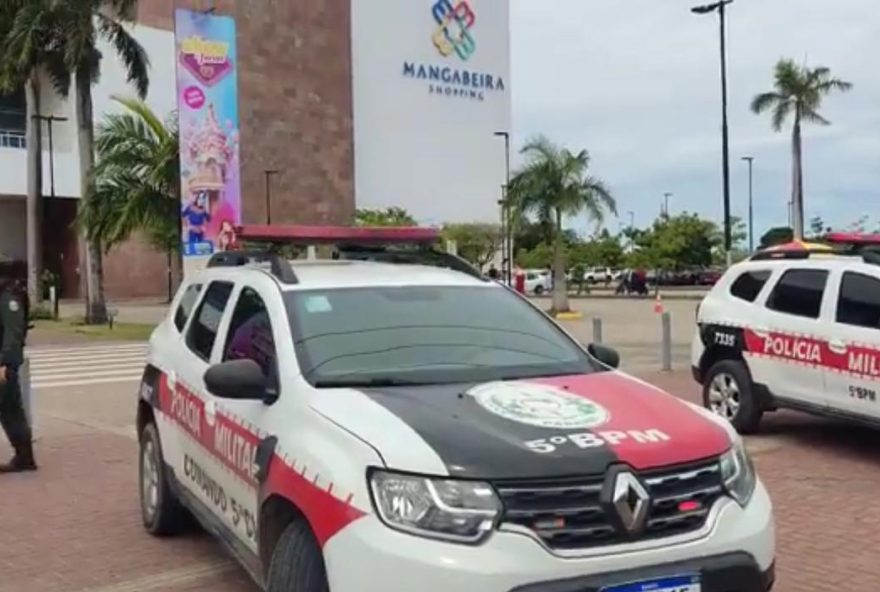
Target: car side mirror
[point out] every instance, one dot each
(237, 379)
(606, 355)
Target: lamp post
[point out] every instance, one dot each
(666, 197)
(750, 160)
(50, 119)
(506, 222)
(269, 173)
(725, 163)
(632, 229)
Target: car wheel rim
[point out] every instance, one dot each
(149, 480)
(724, 396)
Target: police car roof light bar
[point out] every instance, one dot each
(401, 245)
(853, 238)
(323, 235)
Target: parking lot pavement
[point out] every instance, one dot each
(74, 526)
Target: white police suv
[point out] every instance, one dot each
(392, 421)
(797, 327)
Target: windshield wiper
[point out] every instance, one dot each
(383, 381)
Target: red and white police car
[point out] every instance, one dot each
(391, 420)
(797, 327)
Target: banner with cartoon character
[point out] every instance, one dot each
(207, 102)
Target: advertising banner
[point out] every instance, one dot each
(207, 103)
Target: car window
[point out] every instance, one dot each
(426, 335)
(799, 292)
(187, 303)
(859, 301)
(203, 330)
(250, 334)
(748, 285)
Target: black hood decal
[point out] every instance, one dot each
(477, 443)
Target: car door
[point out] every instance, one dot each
(241, 425)
(787, 339)
(203, 474)
(854, 348)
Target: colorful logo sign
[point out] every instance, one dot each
(454, 25)
(207, 107)
(207, 60)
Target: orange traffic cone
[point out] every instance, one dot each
(658, 304)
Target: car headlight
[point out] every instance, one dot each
(738, 473)
(459, 511)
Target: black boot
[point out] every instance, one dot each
(22, 461)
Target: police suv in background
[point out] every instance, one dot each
(792, 329)
(392, 421)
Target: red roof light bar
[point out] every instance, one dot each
(316, 235)
(853, 238)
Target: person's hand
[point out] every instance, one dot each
(2, 374)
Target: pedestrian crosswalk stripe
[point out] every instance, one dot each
(86, 365)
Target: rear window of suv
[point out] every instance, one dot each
(799, 293)
(748, 285)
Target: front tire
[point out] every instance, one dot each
(539, 290)
(728, 392)
(161, 511)
(297, 563)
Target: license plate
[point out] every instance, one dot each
(686, 583)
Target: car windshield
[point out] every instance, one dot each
(425, 335)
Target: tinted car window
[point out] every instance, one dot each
(203, 330)
(859, 301)
(799, 292)
(426, 334)
(250, 334)
(187, 303)
(748, 285)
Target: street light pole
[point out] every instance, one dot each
(706, 9)
(666, 197)
(506, 222)
(269, 173)
(50, 119)
(750, 160)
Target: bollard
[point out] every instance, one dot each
(53, 300)
(597, 330)
(666, 352)
(311, 253)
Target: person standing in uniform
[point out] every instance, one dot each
(13, 328)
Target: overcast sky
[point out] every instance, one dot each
(637, 83)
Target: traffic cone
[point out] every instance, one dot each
(658, 304)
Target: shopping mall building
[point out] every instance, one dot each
(353, 103)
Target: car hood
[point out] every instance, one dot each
(536, 428)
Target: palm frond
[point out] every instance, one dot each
(765, 101)
(130, 51)
(813, 117)
(781, 113)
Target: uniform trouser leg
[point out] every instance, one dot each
(14, 420)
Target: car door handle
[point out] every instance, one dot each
(837, 346)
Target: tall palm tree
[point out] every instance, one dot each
(70, 29)
(137, 181)
(799, 92)
(552, 185)
(23, 53)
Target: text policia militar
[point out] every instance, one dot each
(217, 495)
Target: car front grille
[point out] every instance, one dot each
(569, 514)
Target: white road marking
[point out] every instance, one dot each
(86, 365)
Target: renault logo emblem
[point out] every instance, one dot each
(631, 501)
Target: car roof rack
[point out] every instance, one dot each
(401, 245)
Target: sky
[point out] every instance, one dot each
(637, 83)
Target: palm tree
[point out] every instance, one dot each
(69, 29)
(22, 55)
(554, 184)
(136, 185)
(798, 91)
